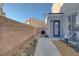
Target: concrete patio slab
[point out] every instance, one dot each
(45, 47)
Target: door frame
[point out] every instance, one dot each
(58, 28)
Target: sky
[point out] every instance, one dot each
(22, 11)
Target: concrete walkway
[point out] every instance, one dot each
(45, 47)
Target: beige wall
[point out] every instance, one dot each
(13, 35)
(35, 23)
(56, 7)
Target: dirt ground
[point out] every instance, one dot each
(28, 49)
(66, 50)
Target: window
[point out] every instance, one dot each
(77, 19)
(75, 22)
(69, 23)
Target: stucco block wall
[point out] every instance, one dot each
(13, 35)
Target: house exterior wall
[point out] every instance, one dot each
(56, 7)
(68, 9)
(50, 18)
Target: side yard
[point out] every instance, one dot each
(28, 49)
(65, 50)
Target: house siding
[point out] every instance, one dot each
(68, 9)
